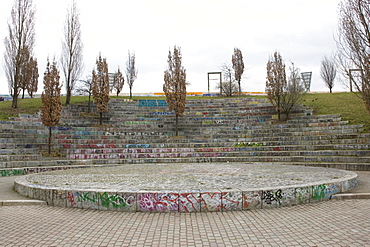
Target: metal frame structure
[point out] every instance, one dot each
(306, 77)
(215, 73)
(351, 77)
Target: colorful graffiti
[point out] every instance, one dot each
(11, 172)
(186, 202)
(152, 103)
(192, 201)
(318, 192)
(158, 202)
(102, 200)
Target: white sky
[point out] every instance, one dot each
(207, 32)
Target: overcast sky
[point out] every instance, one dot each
(207, 32)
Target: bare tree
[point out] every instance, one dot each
(118, 82)
(131, 71)
(51, 104)
(228, 87)
(238, 66)
(71, 58)
(276, 81)
(21, 38)
(85, 88)
(100, 89)
(293, 91)
(328, 72)
(354, 44)
(175, 84)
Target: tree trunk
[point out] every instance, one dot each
(49, 141)
(278, 108)
(15, 101)
(68, 98)
(23, 94)
(89, 106)
(240, 89)
(101, 118)
(177, 125)
(130, 93)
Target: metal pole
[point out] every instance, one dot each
(208, 82)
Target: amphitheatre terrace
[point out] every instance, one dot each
(228, 150)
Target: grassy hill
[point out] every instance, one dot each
(349, 105)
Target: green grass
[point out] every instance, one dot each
(27, 106)
(349, 105)
(30, 106)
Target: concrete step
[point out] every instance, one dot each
(19, 151)
(149, 138)
(20, 157)
(293, 150)
(255, 156)
(354, 165)
(36, 166)
(312, 137)
(147, 129)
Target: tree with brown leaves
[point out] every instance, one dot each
(238, 66)
(354, 44)
(72, 59)
(131, 71)
(118, 82)
(21, 39)
(328, 72)
(51, 104)
(34, 77)
(100, 89)
(175, 85)
(25, 71)
(28, 76)
(276, 81)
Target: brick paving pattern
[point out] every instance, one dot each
(330, 223)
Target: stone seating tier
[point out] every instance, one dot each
(143, 132)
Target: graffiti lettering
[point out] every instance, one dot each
(71, 199)
(86, 197)
(269, 196)
(318, 192)
(5, 173)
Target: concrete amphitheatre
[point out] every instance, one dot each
(230, 155)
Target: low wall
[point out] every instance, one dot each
(185, 201)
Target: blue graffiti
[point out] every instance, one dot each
(152, 103)
(137, 146)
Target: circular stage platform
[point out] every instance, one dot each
(195, 187)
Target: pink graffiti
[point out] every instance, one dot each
(159, 202)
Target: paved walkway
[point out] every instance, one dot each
(328, 223)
